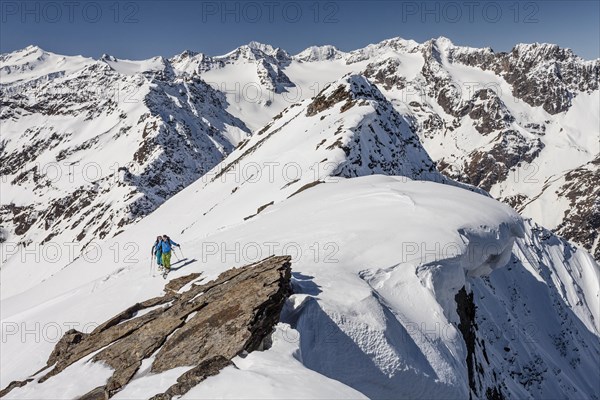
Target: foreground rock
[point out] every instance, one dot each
(202, 327)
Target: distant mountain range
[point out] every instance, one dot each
(521, 125)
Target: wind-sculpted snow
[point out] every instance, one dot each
(374, 309)
(370, 207)
(546, 288)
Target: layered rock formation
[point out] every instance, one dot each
(200, 325)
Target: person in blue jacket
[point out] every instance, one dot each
(166, 246)
(157, 250)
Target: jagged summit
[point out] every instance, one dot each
(256, 51)
(351, 88)
(107, 57)
(32, 47)
(328, 52)
(320, 53)
(188, 53)
(442, 42)
(265, 48)
(548, 51)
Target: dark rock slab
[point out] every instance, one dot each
(203, 328)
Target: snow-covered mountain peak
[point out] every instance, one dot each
(398, 41)
(135, 119)
(28, 55)
(319, 53)
(108, 57)
(545, 54)
(32, 47)
(256, 51)
(349, 89)
(350, 129)
(378, 51)
(537, 49)
(396, 44)
(442, 43)
(265, 48)
(33, 63)
(188, 53)
(29, 51)
(136, 67)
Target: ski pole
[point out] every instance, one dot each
(181, 251)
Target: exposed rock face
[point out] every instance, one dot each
(268, 61)
(14, 385)
(193, 377)
(476, 352)
(488, 112)
(492, 165)
(156, 133)
(581, 222)
(325, 101)
(204, 326)
(540, 74)
(385, 73)
(508, 141)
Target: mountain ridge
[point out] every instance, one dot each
(494, 130)
(269, 48)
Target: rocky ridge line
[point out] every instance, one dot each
(203, 327)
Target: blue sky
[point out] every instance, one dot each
(141, 29)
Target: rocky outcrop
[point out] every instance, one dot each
(488, 112)
(581, 222)
(385, 73)
(540, 74)
(204, 326)
(323, 102)
(490, 166)
(478, 364)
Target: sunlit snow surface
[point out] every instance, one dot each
(366, 314)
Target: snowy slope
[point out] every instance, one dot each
(349, 130)
(383, 270)
(499, 121)
(90, 146)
